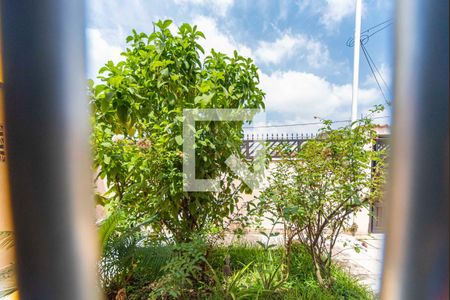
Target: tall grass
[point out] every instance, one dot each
(302, 282)
(247, 262)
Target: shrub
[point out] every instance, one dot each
(138, 124)
(316, 189)
(127, 261)
(182, 273)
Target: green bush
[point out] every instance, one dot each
(127, 261)
(315, 190)
(154, 244)
(301, 283)
(306, 286)
(138, 129)
(183, 272)
(167, 273)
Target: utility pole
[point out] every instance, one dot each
(357, 46)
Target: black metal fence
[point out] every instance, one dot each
(252, 143)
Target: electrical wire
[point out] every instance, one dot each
(384, 22)
(380, 29)
(376, 69)
(369, 61)
(373, 67)
(304, 124)
(364, 38)
(374, 75)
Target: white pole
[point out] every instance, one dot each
(357, 46)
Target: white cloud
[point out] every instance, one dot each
(302, 5)
(99, 52)
(315, 53)
(287, 46)
(220, 7)
(281, 48)
(218, 40)
(385, 82)
(331, 12)
(299, 97)
(334, 11)
(386, 74)
(284, 9)
(297, 92)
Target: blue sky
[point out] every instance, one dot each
(299, 46)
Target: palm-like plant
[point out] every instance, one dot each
(127, 256)
(7, 273)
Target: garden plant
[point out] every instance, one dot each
(161, 242)
(316, 189)
(138, 124)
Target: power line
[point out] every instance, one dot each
(378, 71)
(373, 67)
(304, 124)
(373, 73)
(384, 22)
(292, 125)
(380, 29)
(365, 37)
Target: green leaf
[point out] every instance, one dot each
(165, 72)
(116, 80)
(204, 99)
(166, 24)
(161, 83)
(100, 200)
(108, 226)
(199, 33)
(122, 113)
(179, 139)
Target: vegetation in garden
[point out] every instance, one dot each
(160, 242)
(315, 190)
(138, 270)
(138, 124)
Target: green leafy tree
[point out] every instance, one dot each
(315, 190)
(138, 122)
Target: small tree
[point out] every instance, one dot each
(138, 122)
(328, 180)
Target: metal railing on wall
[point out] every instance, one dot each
(252, 143)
